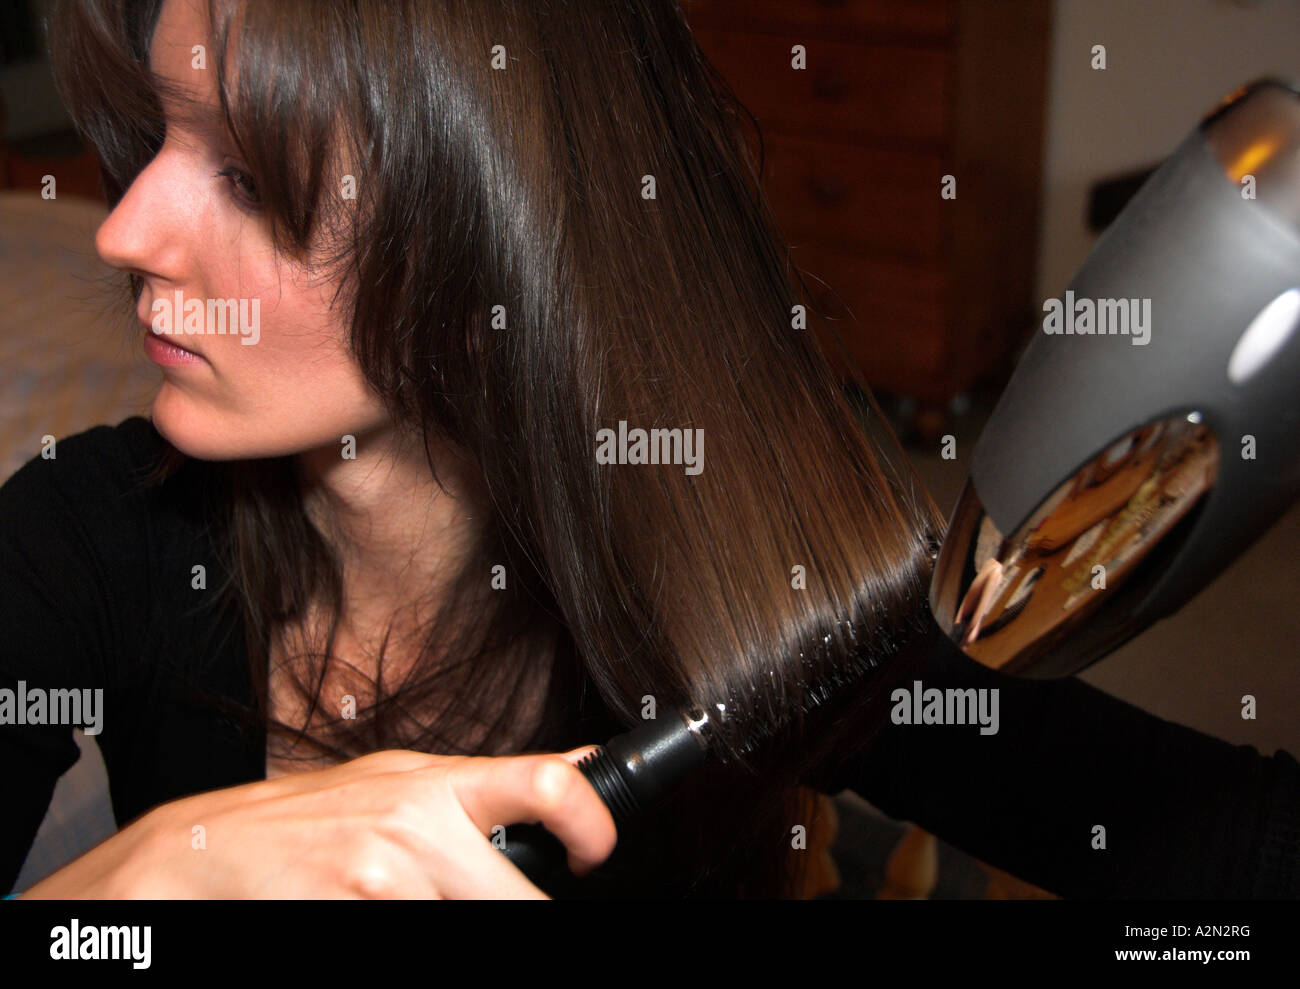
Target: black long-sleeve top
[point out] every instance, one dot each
(95, 592)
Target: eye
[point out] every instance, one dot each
(244, 189)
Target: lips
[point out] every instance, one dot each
(171, 338)
(164, 354)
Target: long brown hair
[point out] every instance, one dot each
(524, 187)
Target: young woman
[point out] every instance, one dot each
(476, 236)
(354, 567)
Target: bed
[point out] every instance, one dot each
(67, 362)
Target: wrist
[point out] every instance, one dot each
(131, 872)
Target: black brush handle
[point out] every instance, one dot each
(631, 772)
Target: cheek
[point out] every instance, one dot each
(287, 383)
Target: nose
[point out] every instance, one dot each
(143, 234)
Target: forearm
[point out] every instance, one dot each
(1184, 814)
(113, 869)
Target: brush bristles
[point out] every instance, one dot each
(744, 730)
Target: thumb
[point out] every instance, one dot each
(576, 755)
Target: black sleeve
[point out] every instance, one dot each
(73, 585)
(1185, 814)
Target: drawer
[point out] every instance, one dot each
(898, 331)
(844, 19)
(865, 92)
(855, 199)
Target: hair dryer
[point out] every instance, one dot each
(1149, 434)
(1151, 430)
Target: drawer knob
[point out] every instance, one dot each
(829, 86)
(828, 190)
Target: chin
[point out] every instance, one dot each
(205, 433)
(178, 424)
(201, 433)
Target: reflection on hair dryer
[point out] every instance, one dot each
(1019, 597)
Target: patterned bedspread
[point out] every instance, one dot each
(70, 354)
(70, 359)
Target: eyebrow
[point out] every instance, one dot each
(204, 117)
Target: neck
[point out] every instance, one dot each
(400, 536)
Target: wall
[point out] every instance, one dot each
(1167, 63)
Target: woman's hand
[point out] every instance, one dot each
(390, 824)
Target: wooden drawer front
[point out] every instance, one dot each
(854, 199)
(863, 92)
(900, 325)
(847, 19)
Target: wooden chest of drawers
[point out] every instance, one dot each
(929, 295)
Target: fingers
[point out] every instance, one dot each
(443, 809)
(485, 868)
(545, 789)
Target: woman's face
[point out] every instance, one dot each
(281, 378)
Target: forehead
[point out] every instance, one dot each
(182, 25)
(180, 55)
